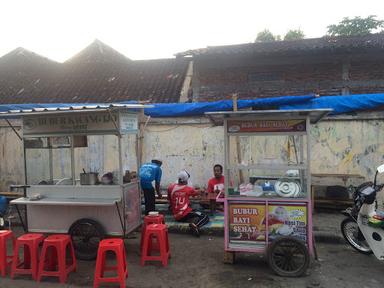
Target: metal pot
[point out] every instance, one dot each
(90, 178)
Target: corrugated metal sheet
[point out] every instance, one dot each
(18, 110)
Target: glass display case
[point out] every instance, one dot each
(271, 166)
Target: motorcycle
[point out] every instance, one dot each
(363, 228)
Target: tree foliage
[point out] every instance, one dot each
(265, 36)
(295, 34)
(356, 26)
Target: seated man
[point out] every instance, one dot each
(178, 197)
(216, 184)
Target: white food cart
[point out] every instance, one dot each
(66, 151)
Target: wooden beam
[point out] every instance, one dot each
(345, 76)
(238, 147)
(187, 83)
(140, 139)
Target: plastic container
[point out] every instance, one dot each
(375, 222)
(232, 191)
(3, 204)
(267, 186)
(153, 213)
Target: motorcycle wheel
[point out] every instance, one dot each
(352, 233)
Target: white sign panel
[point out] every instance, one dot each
(72, 123)
(128, 123)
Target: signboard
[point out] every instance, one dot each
(128, 122)
(287, 220)
(246, 223)
(235, 126)
(76, 123)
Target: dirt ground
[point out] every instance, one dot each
(197, 262)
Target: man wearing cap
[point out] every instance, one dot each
(178, 197)
(148, 173)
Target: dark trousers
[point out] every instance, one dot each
(196, 217)
(149, 199)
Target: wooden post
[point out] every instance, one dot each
(140, 139)
(234, 100)
(229, 257)
(238, 147)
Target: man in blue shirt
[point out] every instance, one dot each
(148, 173)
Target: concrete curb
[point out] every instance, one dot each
(327, 237)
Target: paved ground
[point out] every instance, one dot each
(197, 262)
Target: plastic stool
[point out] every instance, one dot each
(55, 247)
(160, 232)
(159, 219)
(30, 244)
(5, 259)
(116, 246)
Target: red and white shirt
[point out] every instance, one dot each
(216, 184)
(178, 197)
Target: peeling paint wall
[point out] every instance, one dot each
(342, 146)
(354, 147)
(195, 148)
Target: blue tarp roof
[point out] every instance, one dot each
(339, 104)
(199, 108)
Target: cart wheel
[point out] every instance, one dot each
(288, 257)
(86, 235)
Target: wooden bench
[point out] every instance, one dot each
(333, 179)
(12, 195)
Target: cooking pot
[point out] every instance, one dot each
(90, 178)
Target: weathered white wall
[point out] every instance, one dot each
(342, 146)
(355, 146)
(195, 148)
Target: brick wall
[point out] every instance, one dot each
(257, 81)
(367, 70)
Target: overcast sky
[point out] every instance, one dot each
(146, 29)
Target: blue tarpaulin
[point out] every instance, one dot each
(179, 109)
(199, 108)
(341, 104)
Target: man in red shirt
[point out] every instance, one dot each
(216, 184)
(178, 197)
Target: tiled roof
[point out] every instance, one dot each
(314, 45)
(96, 74)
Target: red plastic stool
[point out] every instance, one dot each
(148, 220)
(116, 246)
(30, 244)
(160, 232)
(5, 259)
(54, 253)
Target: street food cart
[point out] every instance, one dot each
(66, 151)
(267, 199)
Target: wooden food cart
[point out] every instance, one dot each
(66, 151)
(267, 178)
